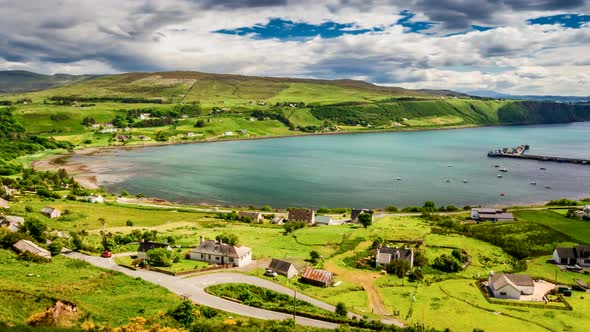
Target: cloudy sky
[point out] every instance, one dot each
(511, 46)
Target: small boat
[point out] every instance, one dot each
(543, 168)
(399, 179)
(502, 194)
(499, 176)
(448, 180)
(465, 181)
(533, 183)
(547, 187)
(449, 165)
(496, 166)
(503, 170)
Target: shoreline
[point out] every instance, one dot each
(87, 177)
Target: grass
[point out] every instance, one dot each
(266, 299)
(573, 227)
(103, 297)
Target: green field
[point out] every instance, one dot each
(573, 227)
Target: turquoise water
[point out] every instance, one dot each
(356, 170)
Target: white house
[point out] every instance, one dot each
(228, 133)
(217, 252)
(284, 268)
(324, 221)
(51, 212)
(144, 116)
(510, 286)
(579, 255)
(95, 199)
(385, 255)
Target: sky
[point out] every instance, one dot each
(510, 46)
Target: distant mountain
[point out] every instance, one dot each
(498, 95)
(18, 81)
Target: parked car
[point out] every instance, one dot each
(270, 273)
(106, 254)
(574, 268)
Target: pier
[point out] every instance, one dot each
(519, 153)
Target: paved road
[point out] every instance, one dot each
(194, 289)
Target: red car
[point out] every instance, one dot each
(106, 254)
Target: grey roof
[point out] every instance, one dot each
(3, 203)
(148, 245)
(215, 248)
(520, 280)
(48, 210)
(12, 222)
(253, 215)
(323, 220)
(26, 245)
(386, 254)
(566, 252)
(279, 265)
(582, 251)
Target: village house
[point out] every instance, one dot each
(107, 131)
(305, 215)
(487, 214)
(228, 133)
(217, 252)
(510, 286)
(28, 246)
(123, 138)
(317, 277)
(95, 199)
(4, 203)
(354, 216)
(143, 116)
(143, 138)
(324, 221)
(146, 246)
(11, 222)
(51, 212)
(9, 191)
(191, 134)
(256, 217)
(277, 221)
(386, 255)
(283, 268)
(579, 255)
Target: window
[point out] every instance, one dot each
(217, 258)
(202, 256)
(231, 260)
(503, 293)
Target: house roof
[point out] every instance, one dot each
(279, 265)
(566, 252)
(215, 248)
(253, 215)
(12, 222)
(323, 220)
(582, 251)
(487, 210)
(301, 214)
(317, 275)
(3, 202)
(403, 253)
(26, 245)
(48, 209)
(357, 212)
(516, 280)
(148, 245)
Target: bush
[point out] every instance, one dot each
(292, 226)
(391, 208)
(129, 223)
(447, 263)
(398, 267)
(200, 124)
(562, 202)
(341, 309)
(160, 257)
(230, 239)
(30, 257)
(314, 256)
(55, 247)
(184, 313)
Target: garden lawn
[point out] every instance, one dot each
(575, 228)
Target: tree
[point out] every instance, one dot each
(35, 229)
(293, 226)
(429, 206)
(366, 219)
(200, 124)
(160, 257)
(184, 313)
(55, 248)
(398, 267)
(314, 255)
(341, 309)
(447, 263)
(228, 238)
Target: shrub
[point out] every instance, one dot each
(341, 309)
(129, 223)
(366, 219)
(160, 257)
(447, 263)
(27, 256)
(228, 238)
(184, 313)
(200, 124)
(314, 256)
(55, 248)
(562, 202)
(391, 208)
(398, 267)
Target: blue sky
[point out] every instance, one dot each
(513, 46)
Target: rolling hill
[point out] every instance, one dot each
(19, 81)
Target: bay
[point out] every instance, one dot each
(359, 170)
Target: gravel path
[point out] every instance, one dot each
(194, 289)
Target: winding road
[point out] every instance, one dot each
(194, 289)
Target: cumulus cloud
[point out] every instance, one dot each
(151, 35)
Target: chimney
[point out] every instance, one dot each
(202, 240)
(491, 273)
(220, 241)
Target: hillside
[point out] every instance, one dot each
(145, 108)
(19, 81)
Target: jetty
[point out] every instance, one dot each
(519, 153)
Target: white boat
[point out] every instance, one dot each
(503, 170)
(499, 176)
(399, 179)
(533, 183)
(465, 181)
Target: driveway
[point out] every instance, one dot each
(542, 287)
(194, 289)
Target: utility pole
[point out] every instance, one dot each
(294, 303)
